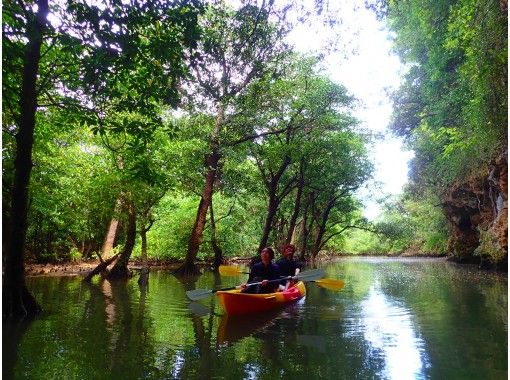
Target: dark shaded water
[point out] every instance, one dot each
(395, 319)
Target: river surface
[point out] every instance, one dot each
(394, 319)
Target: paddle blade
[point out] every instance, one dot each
(310, 275)
(330, 283)
(198, 294)
(229, 270)
(198, 309)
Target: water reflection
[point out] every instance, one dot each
(11, 340)
(179, 363)
(237, 327)
(376, 327)
(106, 289)
(389, 329)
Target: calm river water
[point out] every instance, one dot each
(395, 319)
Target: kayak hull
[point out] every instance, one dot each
(234, 302)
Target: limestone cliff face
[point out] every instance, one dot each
(477, 211)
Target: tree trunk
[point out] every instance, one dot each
(195, 240)
(120, 269)
(144, 273)
(272, 208)
(321, 227)
(143, 235)
(17, 299)
(274, 201)
(295, 214)
(305, 227)
(316, 247)
(212, 160)
(147, 221)
(109, 239)
(279, 228)
(6, 221)
(218, 253)
(111, 234)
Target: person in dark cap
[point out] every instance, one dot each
(287, 265)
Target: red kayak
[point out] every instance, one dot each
(234, 302)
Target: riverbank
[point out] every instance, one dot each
(81, 268)
(84, 267)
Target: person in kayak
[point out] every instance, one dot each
(264, 271)
(287, 265)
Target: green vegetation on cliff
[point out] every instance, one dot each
(452, 111)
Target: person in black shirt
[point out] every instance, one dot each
(263, 271)
(287, 265)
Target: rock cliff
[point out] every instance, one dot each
(477, 211)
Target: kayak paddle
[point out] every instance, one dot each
(327, 283)
(309, 275)
(330, 283)
(230, 270)
(198, 309)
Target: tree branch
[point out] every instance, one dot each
(256, 136)
(228, 213)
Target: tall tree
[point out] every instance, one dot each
(336, 168)
(144, 168)
(86, 51)
(16, 298)
(238, 47)
(311, 111)
(300, 184)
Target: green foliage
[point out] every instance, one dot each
(489, 248)
(104, 133)
(237, 224)
(307, 138)
(364, 242)
(72, 191)
(238, 46)
(452, 108)
(169, 237)
(408, 225)
(74, 255)
(132, 55)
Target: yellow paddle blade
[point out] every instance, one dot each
(229, 270)
(330, 283)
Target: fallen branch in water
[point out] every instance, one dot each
(101, 267)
